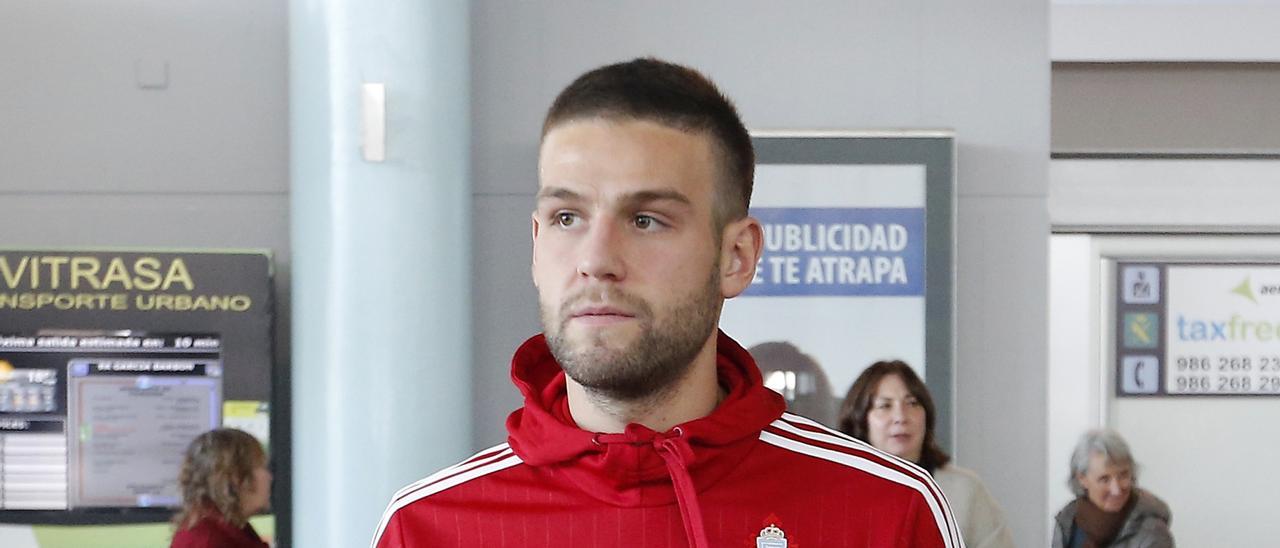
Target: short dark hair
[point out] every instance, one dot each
(857, 404)
(675, 96)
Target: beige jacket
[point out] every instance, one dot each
(981, 521)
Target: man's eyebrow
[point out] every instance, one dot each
(633, 198)
(647, 196)
(556, 192)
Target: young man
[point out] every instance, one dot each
(643, 425)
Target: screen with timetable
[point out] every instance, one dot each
(100, 421)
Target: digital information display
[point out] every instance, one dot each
(102, 420)
(1195, 329)
(112, 361)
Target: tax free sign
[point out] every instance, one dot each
(1223, 330)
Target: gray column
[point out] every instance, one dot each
(381, 265)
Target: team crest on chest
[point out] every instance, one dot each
(772, 535)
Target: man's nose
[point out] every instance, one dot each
(600, 255)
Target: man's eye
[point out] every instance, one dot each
(565, 218)
(645, 222)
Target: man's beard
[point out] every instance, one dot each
(661, 355)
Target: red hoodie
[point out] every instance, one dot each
(747, 475)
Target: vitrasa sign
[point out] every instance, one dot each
(61, 281)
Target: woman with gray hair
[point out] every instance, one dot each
(1109, 510)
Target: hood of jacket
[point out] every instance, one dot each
(634, 468)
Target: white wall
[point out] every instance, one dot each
(1165, 30)
(1223, 195)
(979, 67)
(1075, 396)
(75, 119)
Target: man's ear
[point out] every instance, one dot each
(739, 254)
(533, 263)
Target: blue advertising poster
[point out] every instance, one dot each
(840, 251)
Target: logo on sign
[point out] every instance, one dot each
(1140, 374)
(1140, 329)
(1141, 285)
(1245, 290)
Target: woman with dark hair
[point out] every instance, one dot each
(224, 480)
(890, 408)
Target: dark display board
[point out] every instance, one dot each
(110, 363)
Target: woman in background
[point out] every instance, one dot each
(1109, 510)
(224, 480)
(889, 407)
